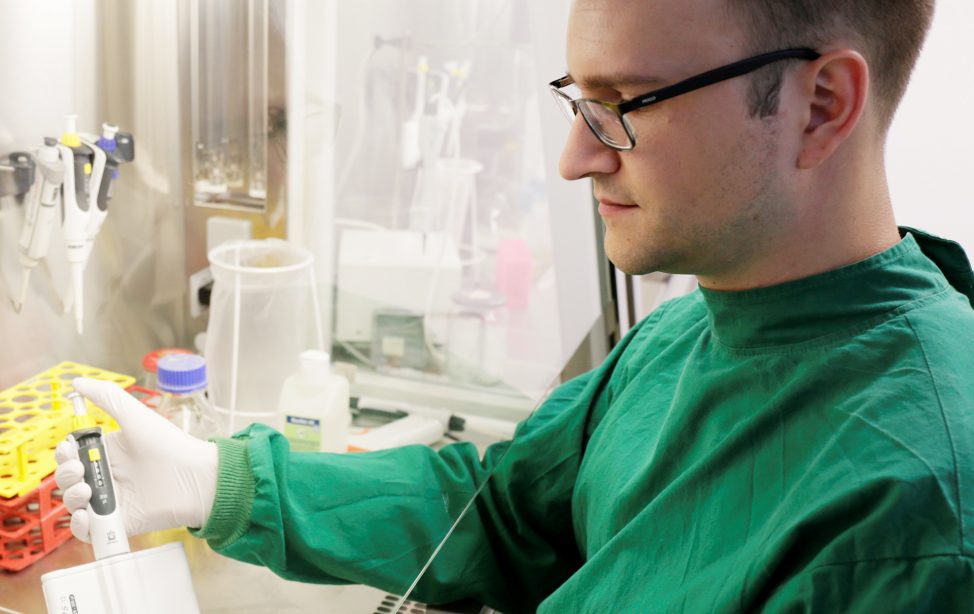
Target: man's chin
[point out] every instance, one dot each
(631, 266)
(632, 263)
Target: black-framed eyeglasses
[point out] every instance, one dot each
(607, 119)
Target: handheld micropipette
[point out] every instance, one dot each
(111, 150)
(75, 209)
(96, 214)
(117, 149)
(99, 173)
(107, 525)
(40, 215)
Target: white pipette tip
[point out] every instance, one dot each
(81, 418)
(77, 283)
(77, 404)
(24, 284)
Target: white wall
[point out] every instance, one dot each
(39, 48)
(930, 153)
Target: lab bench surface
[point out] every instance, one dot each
(222, 585)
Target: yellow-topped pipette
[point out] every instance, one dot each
(107, 525)
(75, 210)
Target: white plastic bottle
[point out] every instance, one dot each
(313, 411)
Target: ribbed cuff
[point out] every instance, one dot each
(235, 490)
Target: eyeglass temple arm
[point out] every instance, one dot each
(715, 76)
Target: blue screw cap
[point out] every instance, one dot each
(182, 373)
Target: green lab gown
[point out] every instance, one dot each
(807, 447)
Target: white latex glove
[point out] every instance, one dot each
(164, 478)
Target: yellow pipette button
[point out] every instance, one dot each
(94, 454)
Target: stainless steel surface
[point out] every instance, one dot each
(222, 584)
(203, 76)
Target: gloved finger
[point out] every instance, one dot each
(119, 404)
(77, 497)
(81, 525)
(66, 450)
(69, 473)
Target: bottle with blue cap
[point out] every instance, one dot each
(182, 380)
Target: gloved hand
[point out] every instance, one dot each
(164, 478)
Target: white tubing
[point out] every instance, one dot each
(235, 365)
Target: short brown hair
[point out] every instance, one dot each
(888, 33)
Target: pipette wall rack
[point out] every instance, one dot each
(35, 417)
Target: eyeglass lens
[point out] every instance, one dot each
(605, 122)
(566, 105)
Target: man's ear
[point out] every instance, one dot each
(836, 89)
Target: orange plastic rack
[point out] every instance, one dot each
(32, 526)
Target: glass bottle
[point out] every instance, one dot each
(182, 380)
(477, 338)
(150, 364)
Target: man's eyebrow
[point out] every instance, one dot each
(615, 81)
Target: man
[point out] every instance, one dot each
(797, 436)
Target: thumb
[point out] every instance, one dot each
(126, 409)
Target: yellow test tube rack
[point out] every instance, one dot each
(35, 417)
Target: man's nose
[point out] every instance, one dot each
(584, 154)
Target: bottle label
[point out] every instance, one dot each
(303, 433)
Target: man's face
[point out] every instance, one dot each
(701, 192)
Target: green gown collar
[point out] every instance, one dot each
(844, 301)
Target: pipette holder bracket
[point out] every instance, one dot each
(16, 174)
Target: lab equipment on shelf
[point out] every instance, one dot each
(379, 270)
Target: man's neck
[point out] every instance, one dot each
(828, 235)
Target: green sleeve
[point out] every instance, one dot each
(375, 518)
(922, 585)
